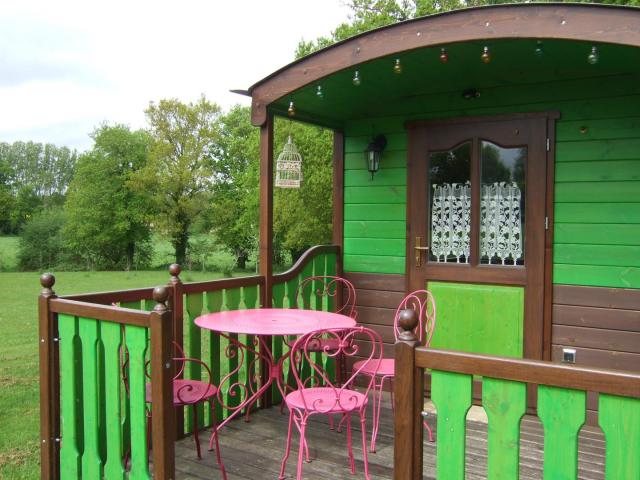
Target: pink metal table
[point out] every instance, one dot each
(264, 322)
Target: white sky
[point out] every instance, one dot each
(67, 65)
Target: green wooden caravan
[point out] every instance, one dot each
(509, 184)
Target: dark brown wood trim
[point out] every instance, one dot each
(390, 282)
(125, 316)
(478, 274)
(163, 422)
(338, 196)
(588, 23)
(547, 317)
(414, 124)
(266, 207)
(132, 295)
(614, 382)
(604, 297)
(176, 305)
(303, 260)
(49, 382)
(222, 284)
(597, 317)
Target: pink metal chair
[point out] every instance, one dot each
(423, 303)
(191, 393)
(318, 394)
(327, 287)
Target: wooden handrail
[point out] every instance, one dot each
(303, 260)
(132, 295)
(614, 382)
(110, 313)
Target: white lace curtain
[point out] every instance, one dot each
(500, 223)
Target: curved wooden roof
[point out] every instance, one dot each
(581, 22)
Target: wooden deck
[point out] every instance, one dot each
(254, 450)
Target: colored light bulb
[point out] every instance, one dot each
(444, 57)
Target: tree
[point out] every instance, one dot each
(41, 244)
(180, 171)
(108, 221)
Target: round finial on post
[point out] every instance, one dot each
(160, 295)
(408, 321)
(174, 271)
(47, 280)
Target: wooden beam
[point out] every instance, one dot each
(338, 198)
(266, 208)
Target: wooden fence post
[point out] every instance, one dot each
(409, 388)
(162, 370)
(177, 309)
(49, 382)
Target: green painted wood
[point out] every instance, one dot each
(111, 334)
(89, 332)
(278, 294)
(126, 413)
(136, 340)
(250, 299)
(364, 212)
(396, 141)
(598, 192)
(562, 413)
(390, 159)
(467, 319)
(385, 177)
(214, 304)
(601, 129)
(451, 394)
(371, 264)
(597, 276)
(193, 370)
(232, 298)
(375, 194)
(375, 229)
(604, 234)
(619, 418)
(621, 149)
(599, 171)
(597, 213)
(375, 246)
(505, 403)
(603, 255)
(70, 398)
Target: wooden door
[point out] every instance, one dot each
(476, 230)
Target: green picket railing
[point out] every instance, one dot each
(561, 407)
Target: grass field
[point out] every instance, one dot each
(19, 409)
(8, 253)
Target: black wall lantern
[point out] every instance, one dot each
(373, 153)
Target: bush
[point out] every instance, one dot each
(41, 244)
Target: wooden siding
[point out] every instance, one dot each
(597, 190)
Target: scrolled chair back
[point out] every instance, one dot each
(319, 392)
(327, 287)
(423, 303)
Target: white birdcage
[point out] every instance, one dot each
(289, 167)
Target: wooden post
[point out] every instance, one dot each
(409, 387)
(163, 432)
(176, 305)
(266, 231)
(49, 383)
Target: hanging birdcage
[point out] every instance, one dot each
(289, 167)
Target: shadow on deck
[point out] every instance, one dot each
(254, 451)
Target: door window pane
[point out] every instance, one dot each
(502, 204)
(450, 201)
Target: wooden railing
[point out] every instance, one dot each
(561, 407)
(92, 322)
(84, 431)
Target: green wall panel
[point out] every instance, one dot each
(597, 204)
(479, 318)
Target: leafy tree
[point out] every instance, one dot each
(41, 244)
(108, 221)
(180, 171)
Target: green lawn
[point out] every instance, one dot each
(19, 410)
(8, 253)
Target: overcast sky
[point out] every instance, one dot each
(66, 66)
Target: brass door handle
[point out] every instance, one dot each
(419, 248)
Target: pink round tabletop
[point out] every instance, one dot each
(273, 321)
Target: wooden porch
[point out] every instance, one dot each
(254, 450)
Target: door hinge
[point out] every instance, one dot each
(546, 223)
(548, 145)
